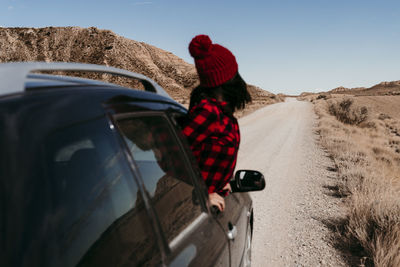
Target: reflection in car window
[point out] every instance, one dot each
(66, 152)
(163, 170)
(98, 216)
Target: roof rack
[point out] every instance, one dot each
(13, 76)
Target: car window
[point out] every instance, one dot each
(66, 152)
(163, 169)
(89, 211)
(105, 220)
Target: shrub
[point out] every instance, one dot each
(348, 113)
(383, 116)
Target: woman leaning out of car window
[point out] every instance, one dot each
(211, 128)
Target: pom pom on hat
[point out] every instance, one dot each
(200, 46)
(215, 64)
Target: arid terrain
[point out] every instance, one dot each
(331, 161)
(360, 129)
(335, 206)
(92, 45)
(383, 88)
(380, 89)
(364, 141)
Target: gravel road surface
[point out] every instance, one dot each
(279, 141)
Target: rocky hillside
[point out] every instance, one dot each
(74, 44)
(383, 88)
(341, 89)
(92, 45)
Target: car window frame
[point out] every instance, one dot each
(160, 242)
(192, 162)
(173, 116)
(167, 247)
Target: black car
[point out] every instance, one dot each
(96, 174)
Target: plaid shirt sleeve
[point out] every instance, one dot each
(214, 140)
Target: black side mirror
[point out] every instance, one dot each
(247, 180)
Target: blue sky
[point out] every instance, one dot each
(282, 46)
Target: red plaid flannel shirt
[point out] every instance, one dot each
(214, 138)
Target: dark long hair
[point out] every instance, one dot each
(234, 92)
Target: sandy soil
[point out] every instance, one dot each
(389, 105)
(279, 141)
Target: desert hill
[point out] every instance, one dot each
(383, 88)
(92, 45)
(341, 89)
(380, 89)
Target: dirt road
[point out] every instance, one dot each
(288, 229)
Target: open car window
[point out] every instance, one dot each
(163, 170)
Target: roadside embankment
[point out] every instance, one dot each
(362, 135)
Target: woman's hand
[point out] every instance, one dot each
(227, 188)
(217, 200)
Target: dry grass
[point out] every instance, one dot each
(366, 151)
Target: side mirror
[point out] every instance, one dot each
(248, 180)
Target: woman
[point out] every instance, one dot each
(211, 128)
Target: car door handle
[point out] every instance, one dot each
(232, 233)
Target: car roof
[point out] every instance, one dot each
(17, 77)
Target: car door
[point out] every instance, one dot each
(190, 234)
(84, 205)
(234, 220)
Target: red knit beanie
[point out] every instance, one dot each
(214, 63)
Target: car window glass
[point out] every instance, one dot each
(98, 216)
(163, 170)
